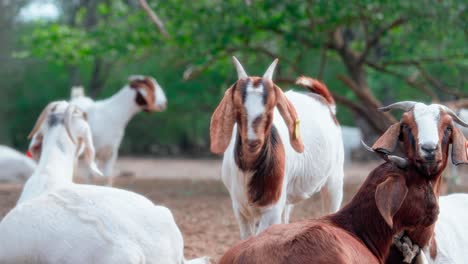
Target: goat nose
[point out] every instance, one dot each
(429, 147)
(254, 143)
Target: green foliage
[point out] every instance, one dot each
(203, 36)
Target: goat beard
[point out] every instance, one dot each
(430, 168)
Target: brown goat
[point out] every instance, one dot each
(430, 163)
(389, 201)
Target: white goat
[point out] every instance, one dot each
(108, 118)
(16, 167)
(270, 163)
(450, 235)
(57, 221)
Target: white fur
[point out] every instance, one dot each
(15, 166)
(427, 119)
(57, 221)
(108, 119)
(320, 166)
(450, 232)
(254, 107)
(351, 141)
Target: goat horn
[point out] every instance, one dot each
(367, 147)
(271, 69)
(455, 117)
(67, 120)
(241, 74)
(41, 119)
(402, 163)
(403, 105)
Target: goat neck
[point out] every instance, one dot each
(121, 107)
(361, 216)
(56, 165)
(267, 168)
(421, 236)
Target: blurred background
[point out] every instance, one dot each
(368, 53)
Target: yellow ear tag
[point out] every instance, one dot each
(296, 129)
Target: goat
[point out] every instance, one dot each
(427, 131)
(394, 197)
(448, 245)
(57, 221)
(454, 172)
(16, 167)
(268, 166)
(108, 118)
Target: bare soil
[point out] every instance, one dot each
(199, 201)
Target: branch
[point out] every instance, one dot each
(458, 104)
(154, 18)
(363, 94)
(409, 80)
(374, 38)
(426, 60)
(194, 71)
(437, 84)
(285, 80)
(323, 62)
(272, 55)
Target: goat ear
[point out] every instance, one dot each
(389, 197)
(35, 147)
(459, 147)
(388, 141)
(90, 153)
(144, 92)
(145, 97)
(222, 123)
(289, 114)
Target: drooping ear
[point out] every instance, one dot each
(145, 92)
(389, 197)
(35, 147)
(90, 153)
(459, 147)
(222, 123)
(388, 141)
(289, 114)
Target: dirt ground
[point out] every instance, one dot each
(199, 201)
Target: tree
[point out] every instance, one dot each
(369, 53)
(405, 40)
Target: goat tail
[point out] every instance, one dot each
(202, 260)
(317, 87)
(76, 92)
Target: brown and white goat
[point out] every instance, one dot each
(270, 162)
(426, 132)
(109, 117)
(390, 200)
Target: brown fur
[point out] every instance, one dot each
(433, 248)
(358, 233)
(321, 91)
(268, 170)
(422, 235)
(318, 88)
(265, 157)
(148, 102)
